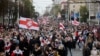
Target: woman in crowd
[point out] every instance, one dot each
(80, 42)
(69, 43)
(48, 41)
(89, 41)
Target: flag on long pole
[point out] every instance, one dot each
(28, 23)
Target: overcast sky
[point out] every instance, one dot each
(40, 5)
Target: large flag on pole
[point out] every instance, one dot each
(28, 23)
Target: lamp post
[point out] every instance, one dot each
(89, 12)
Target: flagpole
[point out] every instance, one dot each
(68, 13)
(79, 17)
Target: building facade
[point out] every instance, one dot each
(74, 6)
(56, 1)
(94, 9)
(74, 9)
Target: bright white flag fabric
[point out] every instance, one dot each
(28, 23)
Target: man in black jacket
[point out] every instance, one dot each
(1, 46)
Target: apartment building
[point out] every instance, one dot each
(74, 6)
(94, 9)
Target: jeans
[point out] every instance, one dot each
(70, 51)
(80, 44)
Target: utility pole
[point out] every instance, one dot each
(68, 15)
(17, 11)
(98, 12)
(89, 11)
(69, 11)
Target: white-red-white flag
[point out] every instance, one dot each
(75, 22)
(28, 23)
(59, 15)
(61, 26)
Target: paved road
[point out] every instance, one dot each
(76, 52)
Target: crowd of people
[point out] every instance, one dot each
(50, 40)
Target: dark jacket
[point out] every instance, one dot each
(2, 45)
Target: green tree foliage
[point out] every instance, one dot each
(55, 9)
(10, 9)
(28, 9)
(3, 6)
(84, 13)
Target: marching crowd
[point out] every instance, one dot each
(50, 40)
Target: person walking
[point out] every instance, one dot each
(69, 44)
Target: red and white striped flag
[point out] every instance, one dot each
(59, 15)
(61, 26)
(7, 46)
(75, 22)
(28, 23)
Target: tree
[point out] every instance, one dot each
(3, 5)
(28, 9)
(9, 8)
(55, 9)
(46, 14)
(84, 13)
